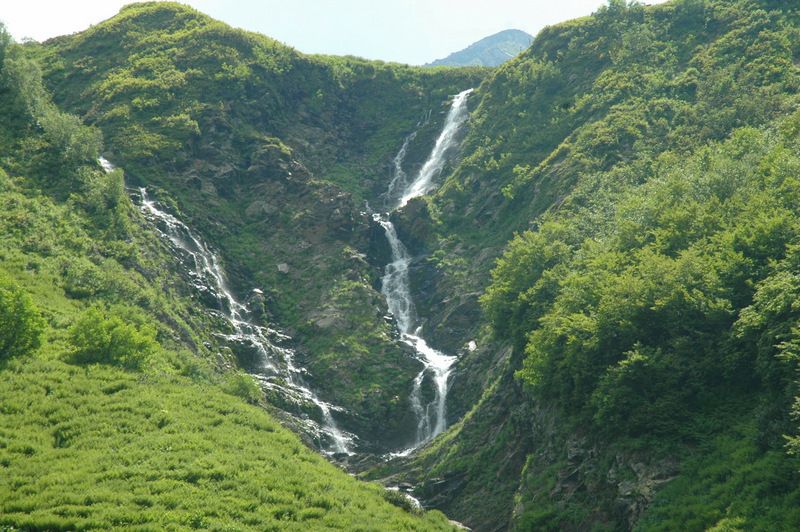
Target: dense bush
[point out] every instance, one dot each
(20, 323)
(636, 325)
(243, 386)
(103, 336)
(75, 142)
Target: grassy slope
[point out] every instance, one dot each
(96, 446)
(270, 154)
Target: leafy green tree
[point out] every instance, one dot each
(5, 41)
(20, 322)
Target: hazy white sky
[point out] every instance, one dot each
(408, 31)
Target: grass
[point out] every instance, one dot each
(97, 447)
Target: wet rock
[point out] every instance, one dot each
(379, 254)
(256, 304)
(413, 224)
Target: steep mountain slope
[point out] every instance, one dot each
(271, 154)
(646, 155)
(490, 51)
(119, 407)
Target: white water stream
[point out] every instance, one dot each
(431, 417)
(276, 370)
(424, 182)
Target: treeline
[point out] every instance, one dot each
(686, 292)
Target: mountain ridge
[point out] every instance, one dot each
(491, 51)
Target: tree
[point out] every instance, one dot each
(5, 41)
(20, 323)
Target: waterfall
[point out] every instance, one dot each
(399, 182)
(434, 165)
(276, 370)
(431, 418)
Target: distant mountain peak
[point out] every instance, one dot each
(490, 51)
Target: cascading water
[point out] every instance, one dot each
(424, 182)
(431, 418)
(276, 370)
(275, 365)
(399, 182)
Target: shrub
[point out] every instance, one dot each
(20, 323)
(102, 336)
(74, 141)
(244, 387)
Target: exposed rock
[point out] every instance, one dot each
(261, 208)
(413, 224)
(637, 483)
(328, 321)
(256, 304)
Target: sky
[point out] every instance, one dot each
(406, 31)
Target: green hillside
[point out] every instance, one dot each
(640, 325)
(271, 155)
(118, 408)
(612, 253)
